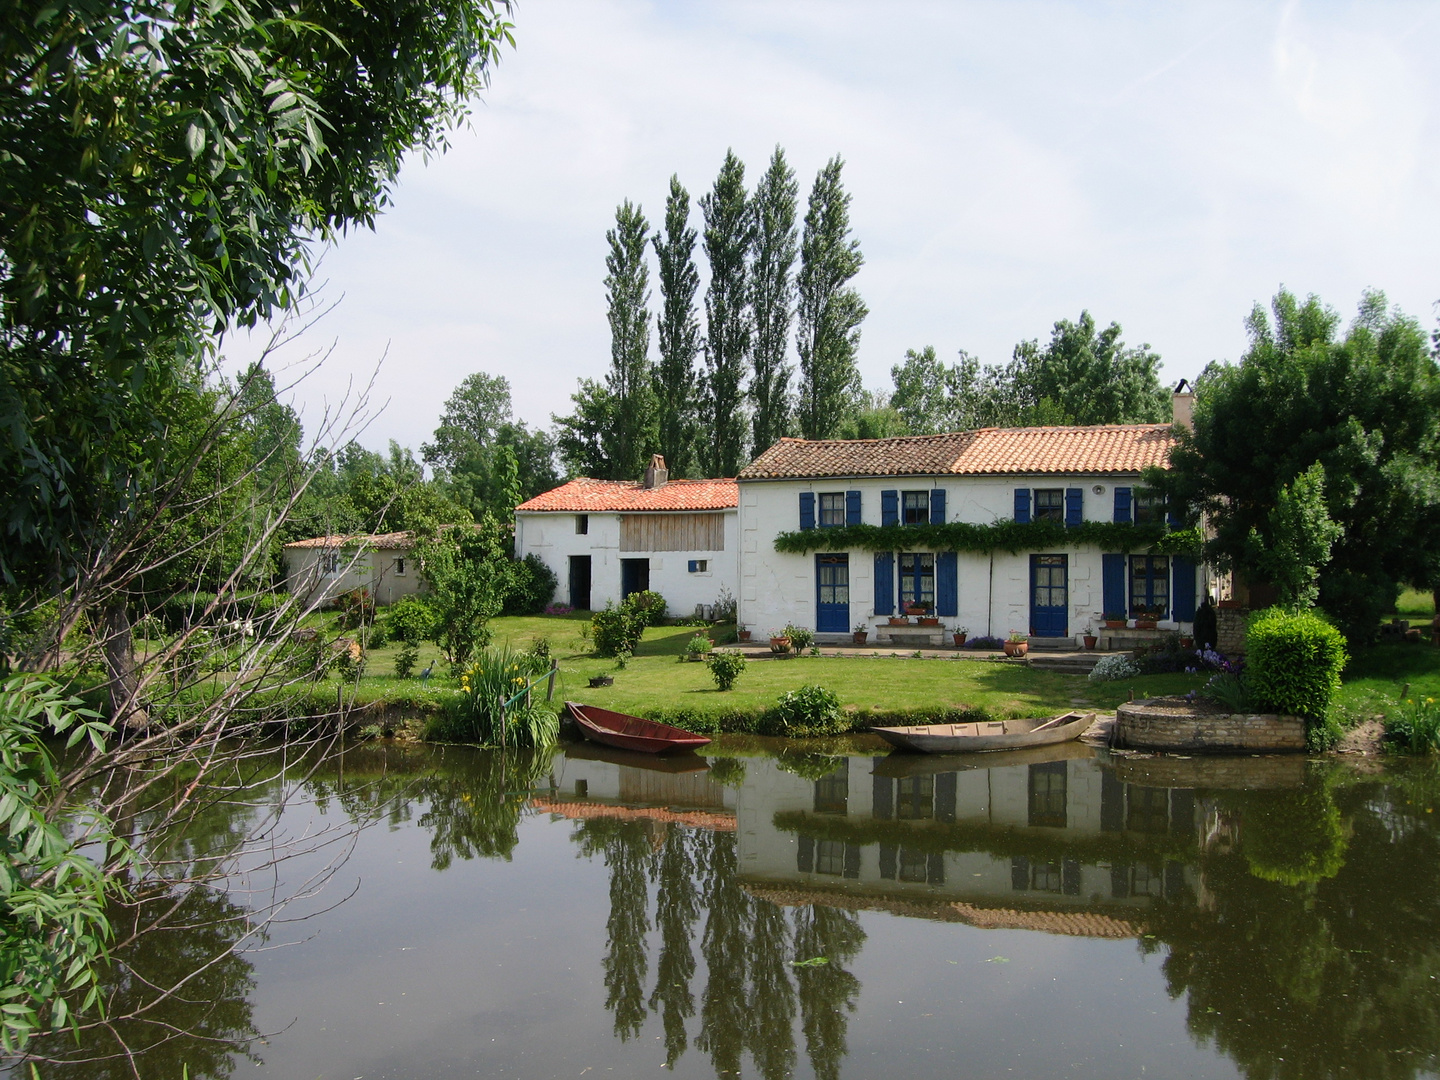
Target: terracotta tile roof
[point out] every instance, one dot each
(396, 540)
(584, 495)
(699, 819)
(1077, 922)
(1111, 448)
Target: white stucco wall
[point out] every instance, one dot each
(994, 592)
(551, 535)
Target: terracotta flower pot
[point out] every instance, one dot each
(1145, 624)
(898, 620)
(1114, 624)
(1090, 641)
(926, 620)
(1016, 648)
(859, 636)
(959, 639)
(744, 635)
(779, 645)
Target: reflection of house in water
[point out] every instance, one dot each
(594, 782)
(1058, 836)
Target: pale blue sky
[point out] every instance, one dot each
(1165, 166)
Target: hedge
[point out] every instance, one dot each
(1293, 662)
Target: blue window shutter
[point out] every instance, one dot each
(1022, 504)
(1114, 584)
(807, 509)
(1074, 507)
(1182, 589)
(1122, 504)
(937, 506)
(694, 566)
(890, 507)
(805, 855)
(852, 508)
(947, 584)
(884, 583)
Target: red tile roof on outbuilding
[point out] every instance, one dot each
(586, 496)
(396, 540)
(1108, 448)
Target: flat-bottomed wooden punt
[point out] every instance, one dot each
(631, 732)
(990, 735)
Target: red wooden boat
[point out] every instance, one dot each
(630, 732)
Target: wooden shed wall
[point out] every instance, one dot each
(672, 532)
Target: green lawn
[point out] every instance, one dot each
(656, 681)
(1377, 677)
(1416, 605)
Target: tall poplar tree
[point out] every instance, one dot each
(829, 311)
(678, 329)
(772, 299)
(633, 435)
(728, 229)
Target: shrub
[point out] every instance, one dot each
(616, 630)
(1231, 690)
(350, 660)
(801, 637)
(306, 655)
(405, 661)
(1114, 666)
(1207, 633)
(356, 607)
(532, 586)
(725, 667)
(379, 636)
(1414, 728)
(1294, 661)
(699, 645)
(808, 765)
(727, 771)
(411, 620)
(486, 684)
(985, 641)
(648, 607)
(809, 710)
(725, 607)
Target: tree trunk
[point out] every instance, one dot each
(122, 681)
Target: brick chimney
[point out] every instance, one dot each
(1182, 405)
(656, 474)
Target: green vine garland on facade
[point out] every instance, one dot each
(1012, 536)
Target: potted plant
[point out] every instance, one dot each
(960, 632)
(744, 633)
(1017, 644)
(914, 608)
(1090, 639)
(779, 643)
(1113, 620)
(1146, 618)
(860, 633)
(929, 620)
(898, 620)
(698, 647)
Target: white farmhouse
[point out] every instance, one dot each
(1065, 474)
(606, 539)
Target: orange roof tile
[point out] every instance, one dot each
(1109, 448)
(584, 495)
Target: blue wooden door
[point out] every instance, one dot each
(1050, 595)
(832, 601)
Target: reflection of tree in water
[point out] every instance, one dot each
(1317, 967)
(676, 909)
(204, 1025)
(475, 803)
(749, 1001)
(625, 846)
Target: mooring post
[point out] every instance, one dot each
(550, 688)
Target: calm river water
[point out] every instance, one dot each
(590, 914)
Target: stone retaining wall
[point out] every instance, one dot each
(1141, 727)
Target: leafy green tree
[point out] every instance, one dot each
(581, 437)
(1364, 406)
(678, 331)
(469, 571)
(633, 435)
(729, 325)
(830, 311)
(772, 299)
(1082, 376)
(167, 168)
(933, 398)
(1298, 541)
(482, 455)
(875, 417)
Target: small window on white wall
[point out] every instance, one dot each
(582, 524)
(329, 562)
(399, 567)
(699, 566)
